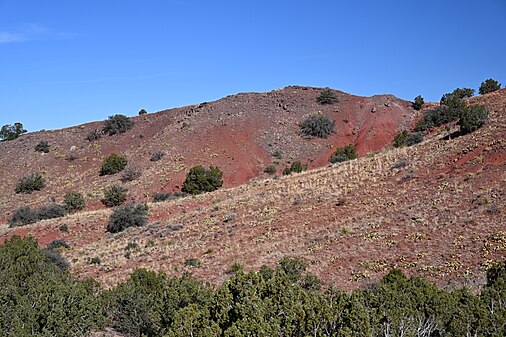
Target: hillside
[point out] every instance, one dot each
(435, 209)
(237, 133)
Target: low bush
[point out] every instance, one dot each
(295, 167)
(343, 154)
(142, 112)
(406, 138)
(113, 164)
(93, 135)
(326, 97)
(117, 124)
(26, 215)
(200, 180)
(73, 201)
(163, 196)
(29, 183)
(157, 155)
(489, 85)
(317, 126)
(131, 172)
(114, 195)
(271, 169)
(57, 244)
(131, 215)
(42, 146)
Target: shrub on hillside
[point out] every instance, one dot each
(30, 182)
(132, 215)
(406, 138)
(117, 124)
(73, 201)
(419, 102)
(142, 112)
(114, 195)
(317, 126)
(343, 154)
(473, 118)
(11, 132)
(113, 164)
(93, 135)
(42, 146)
(489, 85)
(26, 215)
(295, 167)
(326, 97)
(131, 172)
(458, 93)
(271, 169)
(157, 155)
(162, 196)
(200, 180)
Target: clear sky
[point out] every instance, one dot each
(67, 62)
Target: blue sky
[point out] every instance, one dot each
(64, 63)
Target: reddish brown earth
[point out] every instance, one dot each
(436, 209)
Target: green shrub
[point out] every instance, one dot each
(317, 126)
(142, 112)
(26, 215)
(200, 180)
(277, 154)
(295, 167)
(131, 172)
(419, 102)
(192, 262)
(42, 146)
(271, 169)
(326, 97)
(30, 182)
(472, 118)
(131, 215)
(113, 164)
(343, 154)
(73, 201)
(406, 138)
(489, 85)
(114, 195)
(458, 93)
(11, 132)
(117, 124)
(57, 244)
(93, 135)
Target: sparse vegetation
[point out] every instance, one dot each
(327, 96)
(131, 215)
(343, 154)
(277, 154)
(192, 262)
(114, 195)
(271, 169)
(489, 85)
(93, 135)
(11, 132)
(295, 167)
(200, 180)
(157, 155)
(162, 196)
(117, 124)
(29, 183)
(113, 164)
(42, 146)
(131, 172)
(317, 126)
(73, 201)
(26, 215)
(142, 112)
(419, 102)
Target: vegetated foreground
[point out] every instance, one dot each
(435, 210)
